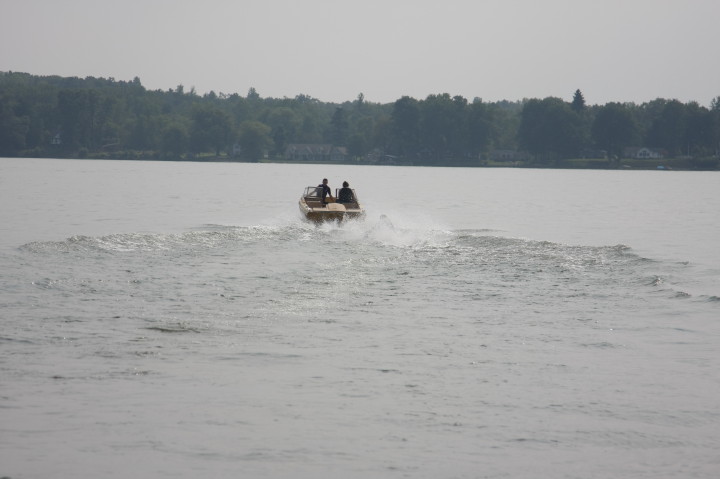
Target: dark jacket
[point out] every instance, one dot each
(345, 195)
(325, 190)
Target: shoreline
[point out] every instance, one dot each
(665, 164)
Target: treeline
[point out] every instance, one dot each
(51, 116)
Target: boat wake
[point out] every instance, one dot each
(407, 244)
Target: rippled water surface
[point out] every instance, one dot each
(181, 320)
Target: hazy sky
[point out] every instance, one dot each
(612, 50)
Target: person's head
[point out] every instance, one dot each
(345, 184)
(324, 181)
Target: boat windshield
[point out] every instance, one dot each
(313, 192)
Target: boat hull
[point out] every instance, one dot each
(330, 212)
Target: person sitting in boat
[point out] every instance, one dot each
(324, 190)
(346, 194)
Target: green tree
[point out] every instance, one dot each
(360, 142)
(211, 128)
(715, 104)
(13, 130)
(285, 124)
(140, 133)
(77, 108)
(405, 126)
(339, 127)
(668, 128)
(254, 138)
(360, 101)
(578, 103)
(506, 121)
(381, 135)
(310, 128)
(175, 140)
(481, 127)
(550, 129)
(442, 126)
(614, 128)
(252, 94)
(702, 132)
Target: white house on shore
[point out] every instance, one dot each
(644, 153)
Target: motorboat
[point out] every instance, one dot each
(313, 209)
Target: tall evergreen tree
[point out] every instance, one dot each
(578, 103)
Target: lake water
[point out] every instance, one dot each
(180, 320)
